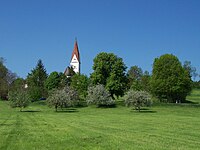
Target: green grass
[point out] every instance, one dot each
(167, 127)
(195, 96)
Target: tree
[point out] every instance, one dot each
(63, 98)
(18, 83)
(134, 75)
(169, 79)
(109, 70)
(99, 96)
(56, 80)
(137, 99)
(145, 81)
(196, 84)
(6, 79)
(36, 80)
(3, 80)
(80, 84)
(137, 79)
(53, 81)
(190, 69)
(19, 98)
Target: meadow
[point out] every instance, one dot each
(163, 126)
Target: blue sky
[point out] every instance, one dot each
(136, 30)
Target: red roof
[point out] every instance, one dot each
(76, 51)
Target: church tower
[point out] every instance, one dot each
(75, 62)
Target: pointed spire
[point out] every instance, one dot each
(76, 51)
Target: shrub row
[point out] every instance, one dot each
(68, 97)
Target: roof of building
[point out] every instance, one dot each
(76, 51)
(69, 72)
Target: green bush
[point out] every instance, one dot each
(137, 99)
(99, 96)
(64, 98)
(19, 98)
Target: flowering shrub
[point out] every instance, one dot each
(66, 97)
(99, 96)
(137, 99)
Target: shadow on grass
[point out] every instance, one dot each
(40, 102)
(28, 111)
(143, 110)
(146, 111)
(107, 106)
(70, 110)
(189, 102)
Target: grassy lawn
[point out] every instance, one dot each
(168, 126)
(195, 96)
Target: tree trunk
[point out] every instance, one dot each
(56, 107)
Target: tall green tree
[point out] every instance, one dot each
(3, 81)
(52, 81)
(169, 79)
(109, 70)
(55, 80)
(80, 83)
(18, 83)
(6, 79)
(137, 79)
(36, 80)
(134, 75)
(145, 81)
(190, 69)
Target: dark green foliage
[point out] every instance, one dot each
(109, 70)
(99, 96)
(190, 69)
(64, 98)
(134, 77)
(137, 99)
(53, 81)
(64, 81)
(6, 79)
(135, 73)
(170, 81)
(3, 81)
(145, 81)
(17, 84)
(80, 84)
(19, 98)
(137, 79)
(35, 93)
(36, 80)
(196, 84)
(38, 75)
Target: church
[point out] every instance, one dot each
(75, 63)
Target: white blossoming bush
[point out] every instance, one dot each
(137, 99)
(19, 98)
(99, 96)
(64, 98)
